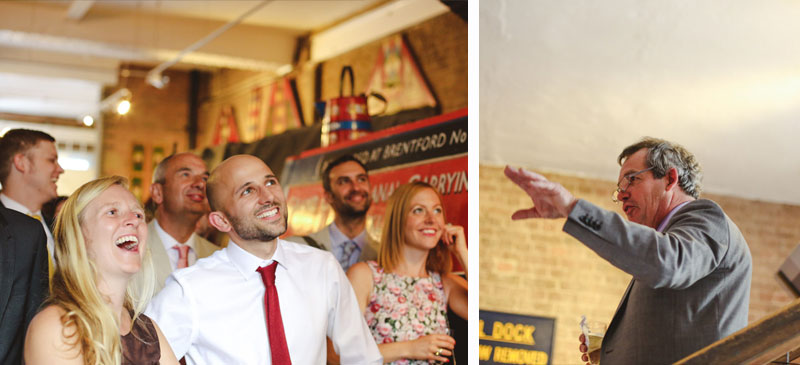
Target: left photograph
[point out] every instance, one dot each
(259, 182)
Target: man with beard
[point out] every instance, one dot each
(690, 264)
(261, 299)
(179, 193)
(347, 190)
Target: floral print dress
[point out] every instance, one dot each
(404, 308)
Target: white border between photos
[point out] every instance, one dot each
(472, 164)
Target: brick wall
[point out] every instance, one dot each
(158, 119)
(533, 268)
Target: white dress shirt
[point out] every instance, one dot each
(213, 311)
(169, 242)
(14, 205)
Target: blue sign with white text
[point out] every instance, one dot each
(515, 339)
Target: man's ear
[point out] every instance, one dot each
(219, 221)
(672, 178)
(21, 162)
(157, 193)
(329, 197)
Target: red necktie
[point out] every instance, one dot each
(183, 255)
(277, 338)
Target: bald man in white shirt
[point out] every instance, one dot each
(214, 312)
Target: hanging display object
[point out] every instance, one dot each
(283, 111)
(397, 77)
(346, 117)
(253, 128)
(226, 129)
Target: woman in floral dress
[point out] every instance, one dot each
(405, 294)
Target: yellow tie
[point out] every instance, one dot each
(50, 265)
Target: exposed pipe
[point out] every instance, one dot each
(155, 78)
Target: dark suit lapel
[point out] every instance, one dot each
(7, 253)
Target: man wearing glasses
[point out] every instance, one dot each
(691, 266)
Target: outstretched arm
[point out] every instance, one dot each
(550, 200)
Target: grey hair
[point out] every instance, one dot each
(663, 155)
(160, 172)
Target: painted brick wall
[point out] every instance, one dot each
(158, 118)
(533, 268)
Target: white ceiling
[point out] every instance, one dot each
(566, 85)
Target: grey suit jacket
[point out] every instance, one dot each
(158, 253)
(23, 279)
(690, 286)
(323, 237)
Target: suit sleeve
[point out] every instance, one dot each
(693, 245)
(346, 326)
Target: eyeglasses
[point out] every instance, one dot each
(626, 182)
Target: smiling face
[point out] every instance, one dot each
(115, 232)
(424, 220)
(645, 200)
(251, 199)
(44, 170)
(349, 195)
(183, 190)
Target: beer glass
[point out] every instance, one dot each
(594, 332)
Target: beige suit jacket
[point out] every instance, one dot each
(161, 265)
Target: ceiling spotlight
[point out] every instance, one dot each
(123, 107)
(88, 120)
(157, 80)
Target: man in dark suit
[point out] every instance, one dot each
(23, 279)
(691, 266)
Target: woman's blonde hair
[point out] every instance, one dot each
(88, 318)
(394, 222)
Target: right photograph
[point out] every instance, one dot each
(639, 169)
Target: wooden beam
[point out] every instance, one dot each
(759, 343)
(42, 120)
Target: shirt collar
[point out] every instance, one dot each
(170, 241)
(15, 205)
(666, 219)
(337, 237)
(247, 263)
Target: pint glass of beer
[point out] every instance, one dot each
(593, 331)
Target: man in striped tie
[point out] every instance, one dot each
(347, 189)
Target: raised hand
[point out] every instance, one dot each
(456, 241)
(454, 238)
(550, 200)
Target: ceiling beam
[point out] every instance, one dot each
(142, 37)
(41, 120)
(373, 25)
